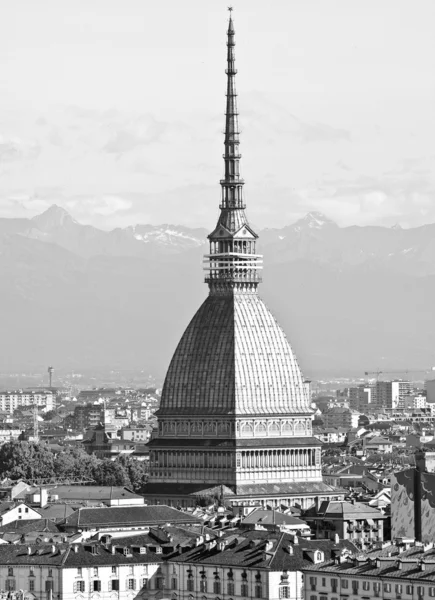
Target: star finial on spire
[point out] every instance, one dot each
(230, 8)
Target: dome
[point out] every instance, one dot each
(234, 359)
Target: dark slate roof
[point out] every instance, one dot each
(260, 549)
(128, 516)
(400, 565)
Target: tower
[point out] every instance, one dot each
(235, 415)
(50, 371)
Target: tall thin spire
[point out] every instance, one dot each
(232, 265)
(232, 184)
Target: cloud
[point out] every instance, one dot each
(142, 132)
(15, 149)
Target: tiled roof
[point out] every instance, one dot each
(233, 443)
(234, 358)
(29, 525)
(92, 492)
(132, 515)
(299, 487)
(273, 517)
(344, 510)
(248, 548)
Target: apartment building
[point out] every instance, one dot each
(403, 572)
(10, 401)
(389, 395)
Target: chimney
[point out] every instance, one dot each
(336, 539)
(422, 566)
(29, 550)
(43, 497)
(53, 548)
(75, 548)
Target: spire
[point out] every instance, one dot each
(232, 184)
(232, 265)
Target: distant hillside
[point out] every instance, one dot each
(349, 299)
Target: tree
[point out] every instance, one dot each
(26, 460)
(110, 472)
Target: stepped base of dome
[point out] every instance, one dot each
(303, 494)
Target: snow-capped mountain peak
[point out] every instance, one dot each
(314, 220)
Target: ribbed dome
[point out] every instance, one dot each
(234, 358)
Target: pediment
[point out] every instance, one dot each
(245, 233)
(220, 233)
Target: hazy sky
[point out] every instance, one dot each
(114, 109)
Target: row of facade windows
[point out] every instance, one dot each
(114, 586)
(217, 587)
(366, 586)
(31, 572)
(11, 585)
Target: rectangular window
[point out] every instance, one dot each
(355, 586)
(48, 585)
(190, 585)
(97, 585)
(409, 589)
(387, 587)
(366, 585)
(216, 587)
(145, 583)
(398, 588)
(230, 588)
(244, 590)
(31, 585)
(284, 591)
(159, 583)
(114, 585)
(80, 586)
(258, 590)
(132, 584)
(420, 590)
(10, 585)
(174, 583)
(432, 592)
(344, 584)
(323, 581)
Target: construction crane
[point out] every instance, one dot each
(393, 372)
(58, 481)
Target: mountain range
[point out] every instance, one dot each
(349, 298)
